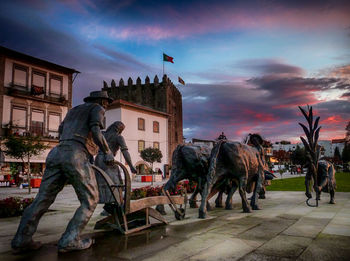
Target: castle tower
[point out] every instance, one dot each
(162, 96)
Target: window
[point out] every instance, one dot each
(37, 123)
(20, 75)
(141, 145)
(56, 85)
(38, 82)
(141, 124)
(156, 126)
(54, 121)
(19, 117)
(156, 145)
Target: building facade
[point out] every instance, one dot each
(328, 147)
(144, 128)
(149, 103)
(200, 142)
(35, 96)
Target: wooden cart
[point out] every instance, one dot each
(130, 216)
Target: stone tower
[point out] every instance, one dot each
(161, 96)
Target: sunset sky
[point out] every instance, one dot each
(247, 64)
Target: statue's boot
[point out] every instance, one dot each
(33, 245)
(308, 195)
(262, 196)
(80, 245)
(193, 204)
(256, 207)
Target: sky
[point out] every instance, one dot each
(247, 65)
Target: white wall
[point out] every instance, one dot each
(131, 133)
(328, 146)
(209, 144)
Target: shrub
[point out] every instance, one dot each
(13, 206)
(150, 191)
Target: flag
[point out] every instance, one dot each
(181, 81)
(36, 90)
(167, 58)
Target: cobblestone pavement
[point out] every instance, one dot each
(285, 229)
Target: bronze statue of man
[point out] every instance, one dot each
(69, 162)
(115, 142)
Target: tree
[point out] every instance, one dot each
(23, 148)
(298, 156)
(151, 155)
(336, 156)
(282, 157)
(346, 153)
(347, 135)
(285, 142)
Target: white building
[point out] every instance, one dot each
(35, 96)
(200, 142)
(327, 147)
(144, 127)
(286, 147)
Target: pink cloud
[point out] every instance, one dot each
(333, 119)
(260, 116)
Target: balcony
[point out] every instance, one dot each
(33, 131)
(36, 93)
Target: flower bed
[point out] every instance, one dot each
(13, 206)
(150, 191)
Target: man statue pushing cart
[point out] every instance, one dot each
(70, 161)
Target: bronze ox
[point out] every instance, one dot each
(192, 162)
(325, 181)
(189, 162)
(238, 163)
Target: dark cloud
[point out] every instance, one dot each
(296, 90)
(39, 39)
(235, 109)
(267, 105)
(338, 107)
(346, 95)
(270, 66)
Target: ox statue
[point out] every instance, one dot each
(192, 162)
(325, 181)
(239, 163)
(189, 162)
(322, 172)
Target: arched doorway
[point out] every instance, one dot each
(142, 168)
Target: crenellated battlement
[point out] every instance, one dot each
(151, 94)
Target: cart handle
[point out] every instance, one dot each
(127, 194)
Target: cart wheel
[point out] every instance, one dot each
(179, 216)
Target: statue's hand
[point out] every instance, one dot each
(308, 195)
(133, 170)
(109, 158)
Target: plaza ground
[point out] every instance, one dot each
(285, 229)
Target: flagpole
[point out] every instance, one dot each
(163, 65)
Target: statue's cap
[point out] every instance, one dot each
(98, 95)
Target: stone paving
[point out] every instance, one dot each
(285, 229)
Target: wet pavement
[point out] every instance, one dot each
(285, 229)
